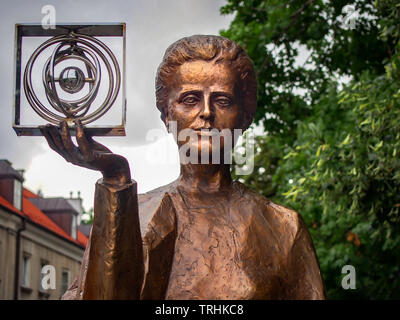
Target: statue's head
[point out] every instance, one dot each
(206, 82)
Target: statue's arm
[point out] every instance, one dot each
(115, 259)
(305, 280)
(112, 267)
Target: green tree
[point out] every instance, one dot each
(331, 152)
(87, 216)
(345, 178)
(275, 32)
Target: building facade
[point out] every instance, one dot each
(41, 246)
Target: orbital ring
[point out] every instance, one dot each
(87, 50)
(93, 88)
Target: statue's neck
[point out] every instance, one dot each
(205, 178)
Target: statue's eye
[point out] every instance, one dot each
(190, 100)
(223, 101)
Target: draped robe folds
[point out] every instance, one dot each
(166, 244)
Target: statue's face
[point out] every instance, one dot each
(204, 95)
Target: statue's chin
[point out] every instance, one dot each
(205, 152)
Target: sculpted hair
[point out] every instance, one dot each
(214, 49)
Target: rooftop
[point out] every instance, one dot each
(6, 169)
(53, 204)
(33, 214)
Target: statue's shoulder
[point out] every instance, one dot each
(150, 202)
(155, 194)
(262, 210)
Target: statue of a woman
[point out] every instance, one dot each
(203, 236)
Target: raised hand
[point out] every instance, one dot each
(89, 153)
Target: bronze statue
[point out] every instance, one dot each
(203, 236)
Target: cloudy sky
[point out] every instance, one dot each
(151, 26)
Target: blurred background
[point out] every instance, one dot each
(327, 119)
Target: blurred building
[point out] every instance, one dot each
(34, 232)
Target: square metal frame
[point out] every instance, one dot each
(99, 30)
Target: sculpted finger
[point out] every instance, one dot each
(46, 133)
(92, 145)
(83, 143)
(55, 135)
(69, 146)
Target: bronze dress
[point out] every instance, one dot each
(233, 245)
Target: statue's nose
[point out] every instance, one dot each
(206, 112)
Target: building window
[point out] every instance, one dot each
(25, 281)
(73, 226)
(17, 194)
(65, 279)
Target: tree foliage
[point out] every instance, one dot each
(345, 172)
(274, 32)
(331, 151)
